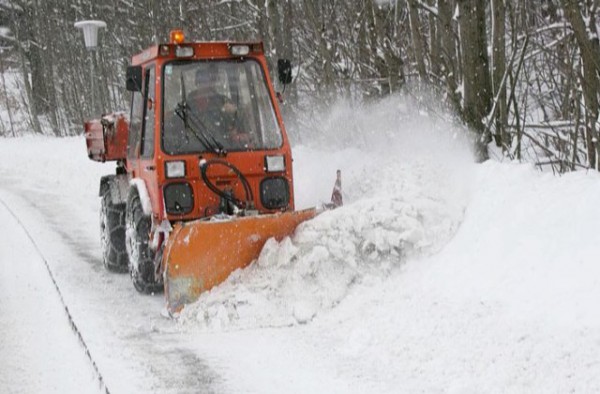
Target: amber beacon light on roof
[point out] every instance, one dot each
(176, 36)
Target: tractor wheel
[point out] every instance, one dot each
(141, 256)
(112, 234)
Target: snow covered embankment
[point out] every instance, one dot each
(509, 305)
(405, 193)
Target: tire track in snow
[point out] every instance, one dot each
(159, 348)
(74, 326)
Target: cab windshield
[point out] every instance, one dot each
(217, 106)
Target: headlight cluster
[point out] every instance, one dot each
(179, 198)
(239, 50)
(275, 163)
(175, 169)
(274, 193)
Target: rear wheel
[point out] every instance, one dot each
(141, 256)
(112, 234)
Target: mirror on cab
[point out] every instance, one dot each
(134, 78)
(284, 68)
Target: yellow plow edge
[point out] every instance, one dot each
(199, 255)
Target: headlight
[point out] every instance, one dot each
(164, 50)
(274, 193)
(184, 51)
(240, 50)
(175, 169)
(275, 163)
(179, 198)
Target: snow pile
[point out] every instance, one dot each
(509, 304)
(530, 243)
(405, 195)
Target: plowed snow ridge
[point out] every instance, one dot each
(405, 192)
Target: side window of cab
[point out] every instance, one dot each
(136, 121)
(149, 104)
(141, 123)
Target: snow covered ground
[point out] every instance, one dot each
(436, 276)
(36, 339)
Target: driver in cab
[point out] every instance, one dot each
(214, 110)
(210, 116)
(217, 112)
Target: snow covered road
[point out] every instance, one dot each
(39, 351)
(135, 348)
(436, 276)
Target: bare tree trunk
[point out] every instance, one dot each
(417, 39)
(317, 27)
(8, 109)
(378, 62)
(590, 56)
(477, 85)
(498, 71)
(288, 46)
(275, 30)
(36, 58)
(32, 109)
(434, 44)
(288, 22)
(448, 53)
(263, 26)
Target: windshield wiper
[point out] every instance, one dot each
(206, 132)
(182, 111)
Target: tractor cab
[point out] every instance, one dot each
(205, 131)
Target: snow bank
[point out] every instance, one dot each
(405, 192)
(508, 305)
(530, 241)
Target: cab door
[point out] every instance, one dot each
(142, 135)
(136, 123)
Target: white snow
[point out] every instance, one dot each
(5, 32)
(410, 210)
(436, 276)
(40, 353)
(406, 190)
(143, 193)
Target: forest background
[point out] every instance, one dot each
(523, 75)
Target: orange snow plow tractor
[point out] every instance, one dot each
(203, 167)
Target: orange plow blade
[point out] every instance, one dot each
(201, 254)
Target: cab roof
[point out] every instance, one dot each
(199, 51)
